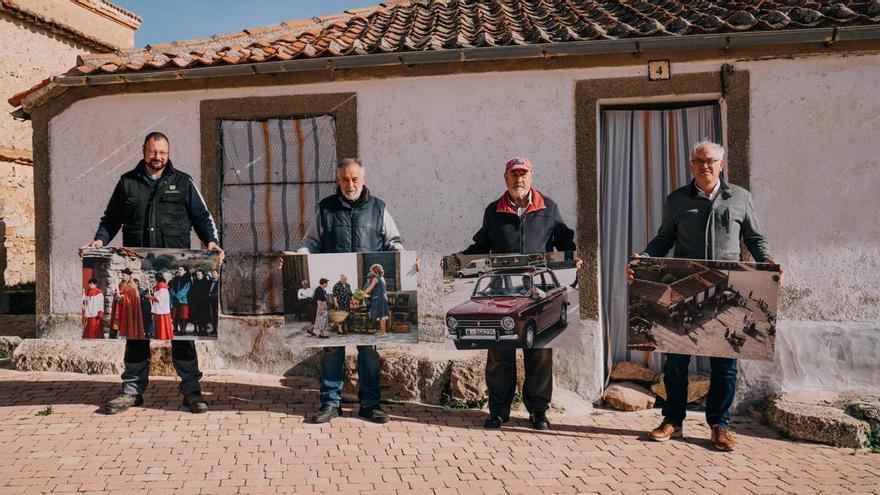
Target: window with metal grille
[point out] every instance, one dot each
(274, 173)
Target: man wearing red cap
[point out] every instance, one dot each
(521, 221)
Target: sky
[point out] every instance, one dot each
(167, 20)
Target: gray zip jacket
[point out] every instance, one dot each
(704, 229)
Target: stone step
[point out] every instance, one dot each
(425, 373)
(818, 417)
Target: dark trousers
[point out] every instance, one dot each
(215, 313)
(136, 376)
(537, 387)
(722, 387)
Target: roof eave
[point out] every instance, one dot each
(827, 36)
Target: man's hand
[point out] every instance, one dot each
(630, 273)
(781, 271)
(213, 246)
(97, 243)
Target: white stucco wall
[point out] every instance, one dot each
(434, 149)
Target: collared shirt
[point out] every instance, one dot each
(521, 210)
(711, 196)
(305, 293)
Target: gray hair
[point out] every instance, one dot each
(716, 149)
(349, 161)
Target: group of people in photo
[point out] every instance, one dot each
(342, 300)
(163, 306)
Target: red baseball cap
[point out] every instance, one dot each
(518, 163)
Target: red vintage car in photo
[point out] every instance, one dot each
(509, 308)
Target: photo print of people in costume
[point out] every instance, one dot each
(510, 300)
(703, 308)
(141, 293)
(350, 298)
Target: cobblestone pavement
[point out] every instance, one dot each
(254, 440)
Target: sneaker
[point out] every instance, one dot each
(495, 422)
(665, 431)
(325, 414)
(539, 421)
(722, 437)
(374, 414)
(122, 403)
(196, 403)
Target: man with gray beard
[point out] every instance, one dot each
(351, 221)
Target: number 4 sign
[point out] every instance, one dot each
(658, 70)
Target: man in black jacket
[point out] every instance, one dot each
(521, 221)
(155, 205)
(351, 221)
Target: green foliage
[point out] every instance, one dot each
(667, 279)
(4, 354)
(874, 441)
(44, 412)
(447, 401)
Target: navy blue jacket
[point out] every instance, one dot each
(540, 230)
(156, 214)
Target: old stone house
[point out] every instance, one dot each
(39, 39)
(604, 97)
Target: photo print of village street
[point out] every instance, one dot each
(149, 293)
(359, 289)
(510, 300)
(705, 308)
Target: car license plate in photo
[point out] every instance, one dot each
(479, 331)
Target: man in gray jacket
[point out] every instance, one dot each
(705, 220)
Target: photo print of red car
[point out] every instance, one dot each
(517, 301)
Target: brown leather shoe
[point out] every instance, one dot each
(665, 431)
(723, 438)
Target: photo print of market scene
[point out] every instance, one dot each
(350, 298)
(510, 300)
(708, 308)
(140, 293)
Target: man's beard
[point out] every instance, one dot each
(521, 191)
(352, 196)
(156, 165)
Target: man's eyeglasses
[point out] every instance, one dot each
(700, 163)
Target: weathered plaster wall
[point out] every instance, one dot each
(17, 212)
(102, 20)
(28, 55)
(434, 149)
(815, 178)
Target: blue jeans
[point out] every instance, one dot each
(333, 375)
(722, 387)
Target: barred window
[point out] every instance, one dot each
(274, 173)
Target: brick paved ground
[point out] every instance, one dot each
(254, 441)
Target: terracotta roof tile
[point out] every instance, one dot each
(433, 25)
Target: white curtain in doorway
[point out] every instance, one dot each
(644, 155)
